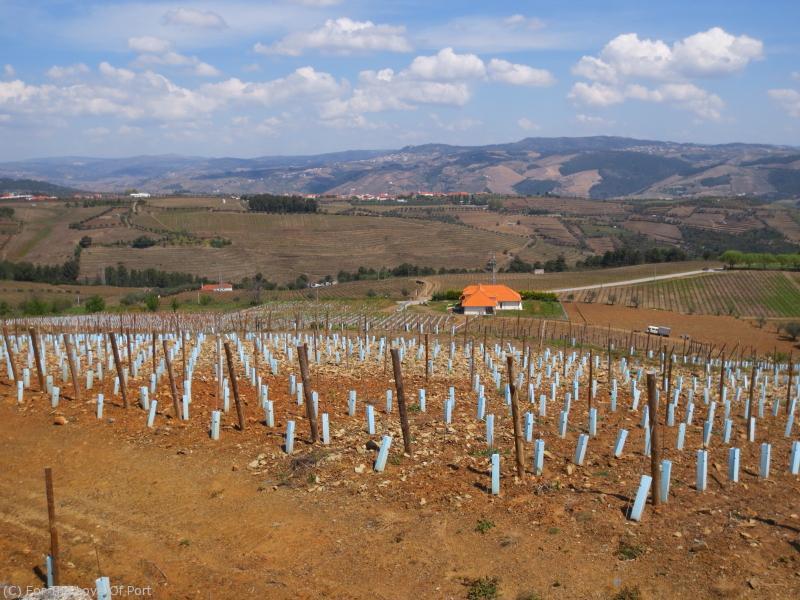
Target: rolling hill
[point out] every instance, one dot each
(591, 167)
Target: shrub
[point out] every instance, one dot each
(792, 329)
(151, 302)
(447, 295)
(484, 588)
(541, 296)
(94, 304)
(143, 242)
(33, 307)
(484, 525)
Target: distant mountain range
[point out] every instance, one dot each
(594, 167)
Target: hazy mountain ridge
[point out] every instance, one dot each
(596, 167)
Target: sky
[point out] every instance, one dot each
(239, 78)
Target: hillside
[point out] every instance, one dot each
(592, 167)
(31, 186)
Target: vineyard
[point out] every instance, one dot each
(305, 450)
(567, 279)
(282, 247)
(767, 294)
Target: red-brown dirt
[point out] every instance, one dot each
(707, 328)
(194, 518)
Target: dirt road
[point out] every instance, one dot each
(631, 281)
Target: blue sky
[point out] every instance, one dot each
(242, 78)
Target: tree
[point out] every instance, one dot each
(792, 329)
(175, 304)
(85, 242)
(151, 302)
(94, 304)
(143, 242)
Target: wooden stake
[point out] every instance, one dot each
(51, 519)
(655, 447)
(401, 400)
(173, 389)
(471, 362)
(302, 356)
(130, 353)
(518, 445)
(38, 356)
(120, 372)
(73, 371)
(234, 386)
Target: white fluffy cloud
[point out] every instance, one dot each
(9, 71)
(155, 51)
(627, 63)
(385, 90)
(303, 82)
(175, 59)
(68, 72)
(516, 74)
(683, 95)
(148, 43)
(439, 79)
(131, 96)
(708, 53)
(192, 17)
(341, 35)
(596, 94)
(122, 75)
(447, 65)
(788, 99)
(715, 52)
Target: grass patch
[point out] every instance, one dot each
(627, 551)
(484, 525)
(484, 588)
(487, 452)
(628, 593)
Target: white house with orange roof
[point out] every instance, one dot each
(485, 299)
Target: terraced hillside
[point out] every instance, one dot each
(282, 247)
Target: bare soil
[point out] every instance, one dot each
(190, 517)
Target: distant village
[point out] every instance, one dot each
(400, 198)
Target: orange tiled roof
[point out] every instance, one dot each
(212, 287)
(488, 295)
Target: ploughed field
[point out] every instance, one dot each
(259, 513)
